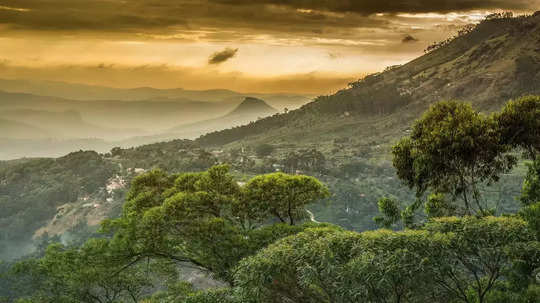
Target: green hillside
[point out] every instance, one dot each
(486, 65)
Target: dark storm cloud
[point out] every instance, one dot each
(162, 16)
(222, 56)
(165, 16)
(368, 7)
(95, 15)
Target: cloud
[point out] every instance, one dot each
(409, 39)
(222, 56)
(166, 16)
(266, 16)
(307, 35)
(368, 7)
(9, 8)
(333, 55)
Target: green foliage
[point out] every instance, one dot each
(174, 293)
(452, 259)
(452, 149)
(390, 212)
(531, 214)
(287, 270)
(264, 150)
(438, 206)
(310, 160)
(206, 219)
(478, 256)
(519, 124)
(213, 296)
(173, 156)
(31, 191)
(202, 219)
(89, 274)
(283, 196)
(530, 192)
(525, 267)
(249, 236)
(505, 295)
(350, 204)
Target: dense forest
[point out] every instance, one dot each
(253, 236)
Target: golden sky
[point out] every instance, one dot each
(299, 46)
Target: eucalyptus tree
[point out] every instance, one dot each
(453, 150)
(206, 219)
(519, 124)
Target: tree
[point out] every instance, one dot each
(301, 268)
(283, 196)
(530, 192)
(478, 255)
(438, 206)
(519, 124)
(390, 212)
(264, 150)
(309, 160)
(330, 265)
(214, 296)
(450, 260)
(397, 266)
(205, 219)
(452, 150)
(90, 274)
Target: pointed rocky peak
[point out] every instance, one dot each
(252, 105)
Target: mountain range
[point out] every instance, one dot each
(250, 110)
(45, 126)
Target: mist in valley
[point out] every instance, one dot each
(51, 125)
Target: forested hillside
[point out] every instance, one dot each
(31, 191)
(344, 140)
(260, 244)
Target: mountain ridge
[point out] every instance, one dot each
(249, 110)
(493, 62)
(85, 92)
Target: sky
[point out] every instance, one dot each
(270, 46)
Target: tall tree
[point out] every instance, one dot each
(519, 124)
(452, 149)
(283, 196)
(90, 274)
(206, 219)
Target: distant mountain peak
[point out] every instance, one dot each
(253, 105)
